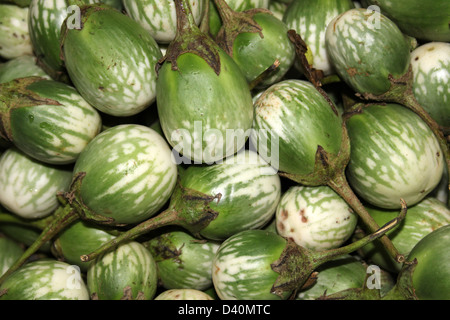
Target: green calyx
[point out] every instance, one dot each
(193, 208)
(188, 208)
(164, 248)
(190, 39)
(401, 92)
(327, 165)
(73, 199)
(15, 94)
(235, 23)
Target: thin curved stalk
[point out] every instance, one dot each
(64, 216)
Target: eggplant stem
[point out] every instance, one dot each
(341, 186)
(324, 256)
(63, 217)
(165, 218)
(401, 92)
(39, 223)
(264, 74)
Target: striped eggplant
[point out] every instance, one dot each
(389, 161)
(216, 201)
(14, 34)
(250, 192)
(278, 9)
(28, 187)
(79, 238)
(183, 261)
(308, 141)
(431, 275)
(45, 279)
(183, 294)
(159, 16)
(375, 62)
(409, 16)
(45, 18)
(431, 69)
(111, 60)
(366, 49)
(425, 274)
(316, 218)
(129, 173)
(215, 21)
(210, 122)
(242, 266)
(291, 120)
(127, 273)
(336, 275)
(310, 20)
(10, 252)
(256, 40)
(46, 119)
(423, 218)
(21, 67)
(262, 265)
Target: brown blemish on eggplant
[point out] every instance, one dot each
(284, 214)
(303, 217)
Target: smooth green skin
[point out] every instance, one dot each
(305, 121)
(431, 277)
(34, 128)
(259, 278)
(191, 266)
(45, 33)
(255, 54)
(129, 265)
(372, 53)
(20, 3)
(336, 275)
(310, 18)
(10, 252)
(111, 62)
(21, 67)
(195, 93)
(80, 238)
(421, 219)
(425, 20)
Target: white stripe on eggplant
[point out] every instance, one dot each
(27, 187)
